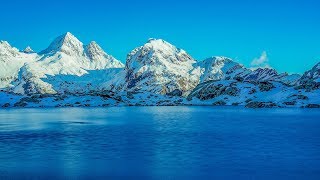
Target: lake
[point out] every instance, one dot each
(160, 143)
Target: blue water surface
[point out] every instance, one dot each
(160, 143)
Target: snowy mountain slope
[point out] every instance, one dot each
(116, 82)
(157, 73)
(95, 81)
(291, 79)
(223, 68)
(28, 50)
(99, 58)
(11, 60)
(219, 68)
(66, 55)
(30, 82)
(7, 51)
(262, 87)
(161, 68)
(310, 80)
(253, 95)
(264, 74)
(66, 43)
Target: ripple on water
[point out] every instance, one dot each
(161, 142)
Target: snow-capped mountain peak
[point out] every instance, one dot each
(164, 47)
(99, 58)
(158, 43)
(269, 74)
(217, 60)
(6, 50)
(66, 43)
(158, 51)
(93, 50)
(11, 60)
(28, 50)
(218, 67)
(311, 78)
(66, 57)
(163, 52)
(160, 67)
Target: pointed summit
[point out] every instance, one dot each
(66, 43)
(28, 50)
(99, 58)
(93, 50)
(160, 44)
(161, 51)
(160, 67)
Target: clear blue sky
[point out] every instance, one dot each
(288, 30)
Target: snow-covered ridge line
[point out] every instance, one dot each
(26, 72)
(156, 73)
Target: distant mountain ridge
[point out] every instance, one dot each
(156, 73)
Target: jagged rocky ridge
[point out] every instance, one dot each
(69, 73)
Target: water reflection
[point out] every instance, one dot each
(159, 142)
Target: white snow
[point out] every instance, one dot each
(70, 73)
(66, 55)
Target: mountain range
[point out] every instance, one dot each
(69, 73)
